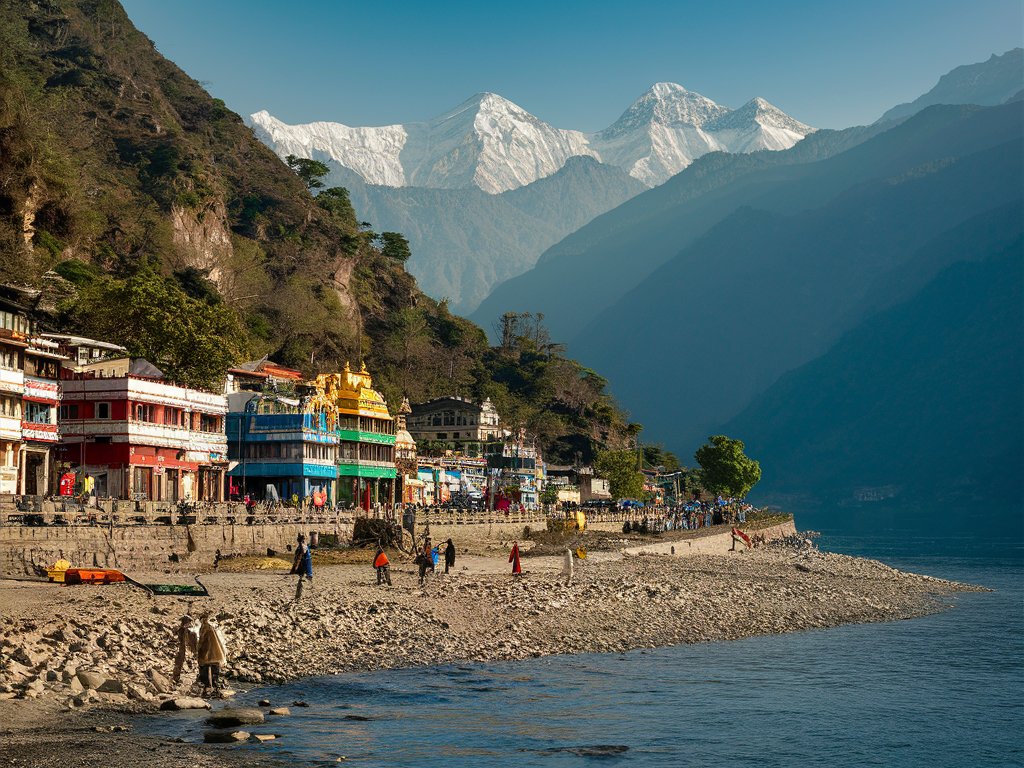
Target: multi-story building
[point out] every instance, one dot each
(278, 446)
(366, 437)
(460, 423)
(14, 333)
(137, 435)
(519, 467)
(40, 435)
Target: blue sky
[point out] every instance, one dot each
(574, 64)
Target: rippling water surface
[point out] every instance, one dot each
(945, 690)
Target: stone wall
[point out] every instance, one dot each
(147, 548)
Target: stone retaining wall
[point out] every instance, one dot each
(715, 544)
(146, 547)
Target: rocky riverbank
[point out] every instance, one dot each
(73, 648)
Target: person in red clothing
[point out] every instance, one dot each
(513, 557)
(383, 566)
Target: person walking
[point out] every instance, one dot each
(383, 566)
(449, 556)
(513, 557)
(302, 565)
(425, 560)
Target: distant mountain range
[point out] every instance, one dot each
(495, 145)
(482, 190)
(615, 252)
(795, 299)
(987, 83)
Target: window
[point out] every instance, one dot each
(173, 417)
(10, 407)
(38, 413)
(142, 412)
(46, 369)
(68, 412)
(14, 322)
(209, 423)
(8, 358)
(102, 410)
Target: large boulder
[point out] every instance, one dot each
(159, 681)
(184, 702)
(91, 680)
(111, 685)
(230, 717)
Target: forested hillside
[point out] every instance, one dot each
(147, 213)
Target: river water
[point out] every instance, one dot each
(944, 690)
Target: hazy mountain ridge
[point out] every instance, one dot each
(987, 83)
(464, 241)
(919, 401)
(763, 292)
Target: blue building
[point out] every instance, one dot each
(278, 446)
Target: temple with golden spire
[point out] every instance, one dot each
(366, 435)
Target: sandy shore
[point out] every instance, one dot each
(621, 599)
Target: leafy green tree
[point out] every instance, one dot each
(656, 456)
(310, 171)
(724, 468)
(619, 469)
(337, 202)
(393, 245)
(192, 341)
(549, 495)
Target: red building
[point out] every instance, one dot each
(139, 436)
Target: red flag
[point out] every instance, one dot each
(737, 533)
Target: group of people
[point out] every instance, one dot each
(691, 516)
(429, 557)
(426, 560)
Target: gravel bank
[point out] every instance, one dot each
(65, 651)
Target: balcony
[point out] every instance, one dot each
(10, 428)
(145, 433)
(12, 381)
(47, 433)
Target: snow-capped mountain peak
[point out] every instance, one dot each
(492, 143)
(757, 125)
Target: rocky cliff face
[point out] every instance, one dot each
(115, 158)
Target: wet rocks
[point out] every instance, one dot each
(184, 702)
(225, 737)
(235, 716)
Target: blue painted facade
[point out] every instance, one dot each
(292, 452)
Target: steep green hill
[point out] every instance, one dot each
(147, 212)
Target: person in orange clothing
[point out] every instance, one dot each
(513, 557)
(383, 566)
